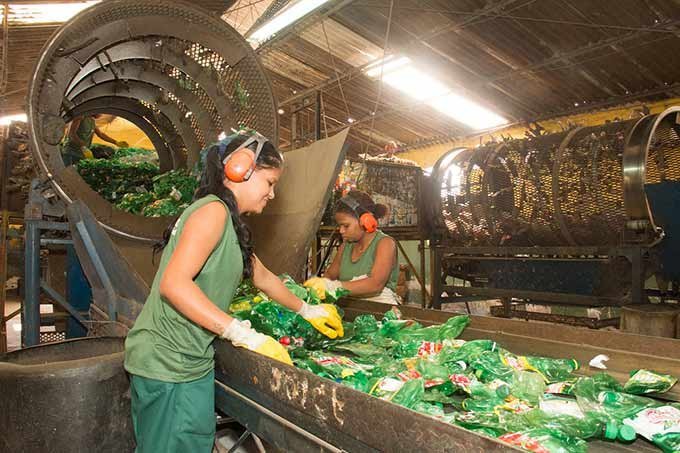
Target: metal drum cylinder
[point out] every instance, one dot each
(71, 396)
(178, 72)
(582, 187)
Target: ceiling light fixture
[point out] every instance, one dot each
(401, 73)
(288, 15)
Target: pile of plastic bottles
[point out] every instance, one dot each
(539, 404)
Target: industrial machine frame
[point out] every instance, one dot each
(513, 220)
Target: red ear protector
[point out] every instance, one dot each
(367, 220)
(240, 164)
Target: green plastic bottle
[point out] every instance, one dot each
(528, 386)
(619, 405)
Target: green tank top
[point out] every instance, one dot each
(163, 344)
(85, 133)
(364, 265)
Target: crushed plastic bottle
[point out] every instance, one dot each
(541, 440)
(646, 381)
(409, 394)
(661, 425)
(616, 406)
(489, 366)
(528, 386)
(474, 384)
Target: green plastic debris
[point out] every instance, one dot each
(489, 366)
(617, 406)
(527, 386)
(545, 440)
(646, 381)
(588, 388)
(536, 403)
(552, 370)
(661, 425)
(130, 178)
(433, 409)
(668, 443)
(410, 393)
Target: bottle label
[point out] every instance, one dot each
(657, 420)
(414, 374)
(561, 406)
(523, 441)
(462, 381)
(428, 348)
(558, 387)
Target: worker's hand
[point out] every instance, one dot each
(87, 153)
(242, 335)
(324, 318)
(122, 144)
(322, 286)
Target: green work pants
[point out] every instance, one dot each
(173, 417)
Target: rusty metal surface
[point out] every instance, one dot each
(581, 321)
(191, 61)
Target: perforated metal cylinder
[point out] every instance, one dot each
(581, 187)
(180, 73)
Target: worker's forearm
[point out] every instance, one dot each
(189, 300)
(364, 287)
(106, 138)
(331, 274)
(75, 139)
(274, 288)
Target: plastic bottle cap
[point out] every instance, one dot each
(611, 431)
(627, 433)
(610, 397)
(503, 391)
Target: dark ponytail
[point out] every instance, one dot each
(212, 183)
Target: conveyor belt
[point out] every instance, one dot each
(306, 406)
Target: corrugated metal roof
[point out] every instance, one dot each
(526, 59)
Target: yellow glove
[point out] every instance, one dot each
(87, 154)
(275, 350)
(324, 318)
(242, 335)
(122, 144)
(322, 285)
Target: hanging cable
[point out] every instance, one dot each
(380, 89)
(335, 69)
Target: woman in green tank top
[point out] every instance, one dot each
(206, 253)
(366, 262)
(76, 144)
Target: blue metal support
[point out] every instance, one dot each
(61, 301)
(101, 270)
(30, 310)
(30, 315)
(78, 293)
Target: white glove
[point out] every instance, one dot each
(312, 311)
(241, 334)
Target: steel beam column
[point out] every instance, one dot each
(30, 315)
